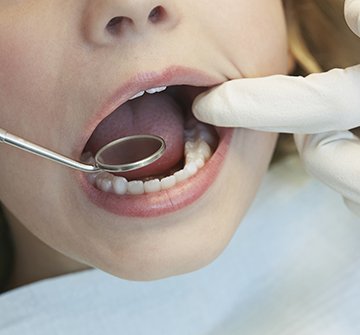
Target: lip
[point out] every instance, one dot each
(183, 194)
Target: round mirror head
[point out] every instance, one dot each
(130, 153)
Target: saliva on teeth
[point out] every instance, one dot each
(197, 151)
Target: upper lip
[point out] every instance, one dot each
(174, 75)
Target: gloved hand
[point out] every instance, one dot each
(324, 105)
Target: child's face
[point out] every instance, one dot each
(63, 70)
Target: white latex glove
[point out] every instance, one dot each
(325, 105)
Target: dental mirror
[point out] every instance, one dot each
(130, 153)
(124, 154)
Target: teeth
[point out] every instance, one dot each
(197, 152)
(168, 182)
(156, 89)
(150, 91)
(136, 187)
(104, 181)
(152, 186)
(181, 175)
(120, 185)
(200, 162)
(138, 95)
(191, 168)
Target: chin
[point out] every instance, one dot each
(188, 238)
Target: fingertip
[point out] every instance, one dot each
(208, 106)
(198, 106)
(352, 15)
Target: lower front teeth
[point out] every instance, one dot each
(197, 151)
(152, 186)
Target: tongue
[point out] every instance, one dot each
(156, 114)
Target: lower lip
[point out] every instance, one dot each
(165, 202)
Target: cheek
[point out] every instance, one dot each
(30, 72)
(28, 68)
(267, 51)
(21, 97)
(22, 100)
(256, 37)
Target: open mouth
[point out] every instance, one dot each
(166, 112)
(195, 152)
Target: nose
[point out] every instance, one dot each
(105, 20)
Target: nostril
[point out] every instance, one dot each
(157, 14)
(115, 21)
(118, 23)
(115, 24)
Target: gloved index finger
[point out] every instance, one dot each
(317, 103)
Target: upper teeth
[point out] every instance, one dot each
(137, 95)
(150, 91)
(156, 89)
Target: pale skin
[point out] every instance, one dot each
(58, 64)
